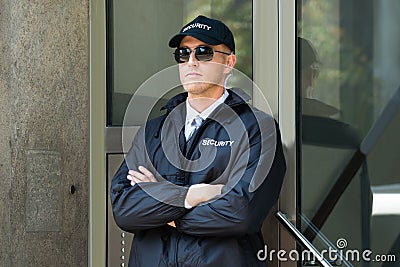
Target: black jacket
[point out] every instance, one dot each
(238, 146)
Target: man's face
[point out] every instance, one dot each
(203, 78)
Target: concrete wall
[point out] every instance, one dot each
(44, 144)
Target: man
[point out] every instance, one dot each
(198, 181)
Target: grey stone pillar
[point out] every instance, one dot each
(44, 144)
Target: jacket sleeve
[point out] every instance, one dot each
(242, 207)
(145, 205)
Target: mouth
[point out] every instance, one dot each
(193, 74)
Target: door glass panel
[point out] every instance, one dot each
(138, 33)
(349, 97)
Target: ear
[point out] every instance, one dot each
(230, 64)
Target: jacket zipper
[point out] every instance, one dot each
(190, 151)
(176, 249)
(188, 154)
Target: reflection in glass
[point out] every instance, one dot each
(348, 65)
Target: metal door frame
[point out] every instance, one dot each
(97, 209)
(287, 119)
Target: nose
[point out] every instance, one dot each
(192, 59)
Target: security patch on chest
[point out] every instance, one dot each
(212, 142)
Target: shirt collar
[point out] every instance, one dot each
(191, 113)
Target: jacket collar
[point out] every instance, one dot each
(236, 97)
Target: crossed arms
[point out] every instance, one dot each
(141, 201)
(196, 193)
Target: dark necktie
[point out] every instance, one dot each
(195, 124)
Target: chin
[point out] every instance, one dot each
(196, 87)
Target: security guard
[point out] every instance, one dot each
(199, 181)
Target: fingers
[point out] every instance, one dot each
(133, 179)
(143, 175)
(138, 175)
(149, 175)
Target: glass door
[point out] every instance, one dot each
(348, 98)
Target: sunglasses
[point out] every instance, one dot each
(202, 53)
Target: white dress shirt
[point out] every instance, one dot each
(191, 113)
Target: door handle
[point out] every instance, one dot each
(299, 237)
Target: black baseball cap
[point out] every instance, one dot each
(210, 31)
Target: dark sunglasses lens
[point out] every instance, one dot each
(182, 55)
(204, 53)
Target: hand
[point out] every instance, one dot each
(143, 175)
(198, 193)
